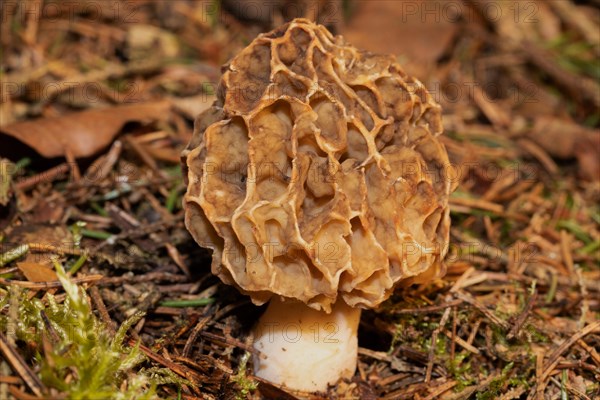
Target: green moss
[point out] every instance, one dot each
(461, 372)
(245, 384)
(77, 355)
(535, 335)
(498, 385)
(415, 333)
(13, 254)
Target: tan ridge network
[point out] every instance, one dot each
(318, 172)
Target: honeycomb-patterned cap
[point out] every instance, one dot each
(317, 173)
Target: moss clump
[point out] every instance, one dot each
(245, 384)
(77, 354)
(462, 372)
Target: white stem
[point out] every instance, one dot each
(304, 349)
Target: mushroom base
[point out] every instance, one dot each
(304, 349)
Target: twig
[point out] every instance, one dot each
(514, 393)
(468, 391)
(540, 154)
(428, 309)
(176, 368)
(497, 115)
(395, 363)
(176, 257)
(50, 284)
(441, 390)
(46, 176)
(590, 350)
(20, 366)
(578, 85)
(13, 380)
(554, 357)
(48, 248)
(453, 336)
(520, 321)
(193, 335)
(32, 22)
(539, 372)
(21, 395)
(229, 341)
(462, 343)
(432, 348)
(149, 277)
(578, 394)
(99, 303)
(477, 203)
(104, 164)
(565, 249)
(219, 364)
(574, 17)
(143, 154)
(474, 332)
(585, 306)
(489, 314)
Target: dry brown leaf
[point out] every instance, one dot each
(518, 21)
(144, 40)
(57, 238)
(48, 209)
(547, 23)
(586, 151)
(559, 137)
(35, 272)
(192, 106)
(410, 30)
(83, 133)
(163, 153)
(564, 139)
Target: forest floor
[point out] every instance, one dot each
(104, 294)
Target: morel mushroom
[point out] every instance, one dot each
(318, 181)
